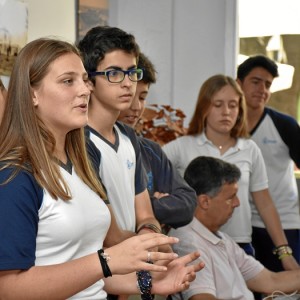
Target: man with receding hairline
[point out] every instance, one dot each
(229, 273)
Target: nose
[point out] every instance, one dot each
(126, 81)
(236, 202)
(135, 105)
(225, 110)
(85, 88)
(262, 87)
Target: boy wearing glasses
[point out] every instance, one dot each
(110, 57)
(173, 200)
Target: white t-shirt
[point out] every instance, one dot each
(118, 168)
(37, 230)
(245, 155)
(280, 168)
(78, 227)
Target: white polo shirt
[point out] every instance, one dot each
(227, 266)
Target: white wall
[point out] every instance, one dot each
(51, 18)
(188, 41)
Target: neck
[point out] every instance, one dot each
(60, 144)
(60, 153)
(223, 141)
(103, 121)
(208, 222)
(253, 117)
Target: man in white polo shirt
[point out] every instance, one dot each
(229, 273)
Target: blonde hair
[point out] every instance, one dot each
(25, 141)
(211, 86)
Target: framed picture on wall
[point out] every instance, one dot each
(13, 32)
(90, 13)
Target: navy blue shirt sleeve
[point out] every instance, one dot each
(20, 200)
(289, 131)
(176, 209)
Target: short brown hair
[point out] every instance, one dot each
(144, 63)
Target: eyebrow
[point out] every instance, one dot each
(119, 68)
(72, 73)
(222, 100)
(260, 79)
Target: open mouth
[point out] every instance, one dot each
(83, 105)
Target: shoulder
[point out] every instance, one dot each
(149, 143)
(125, 129)
(246, 143)
(19, 176)
(19, 186)
(183, 140)
(279, 117)
(20, 201)
(93, 151)
(186, 235)
(129, 132)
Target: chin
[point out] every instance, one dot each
(124, 106)
(130, 123)
(81, 124)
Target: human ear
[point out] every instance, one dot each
(239, 81)
(203, 201)
(34, 98)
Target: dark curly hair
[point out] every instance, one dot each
(101, 40)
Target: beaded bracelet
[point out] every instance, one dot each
(104, 258)
(144, 283)
(150, 227)
(282, 251)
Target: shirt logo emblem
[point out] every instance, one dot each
(268, 141)
(129, 164)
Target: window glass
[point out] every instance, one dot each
(272, 28)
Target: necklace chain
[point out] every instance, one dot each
(220, 147)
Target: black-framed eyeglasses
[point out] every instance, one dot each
(117, 76)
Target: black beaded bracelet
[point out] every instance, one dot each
(144, 283)
(104, 258)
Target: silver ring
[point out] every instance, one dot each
(149, 257)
